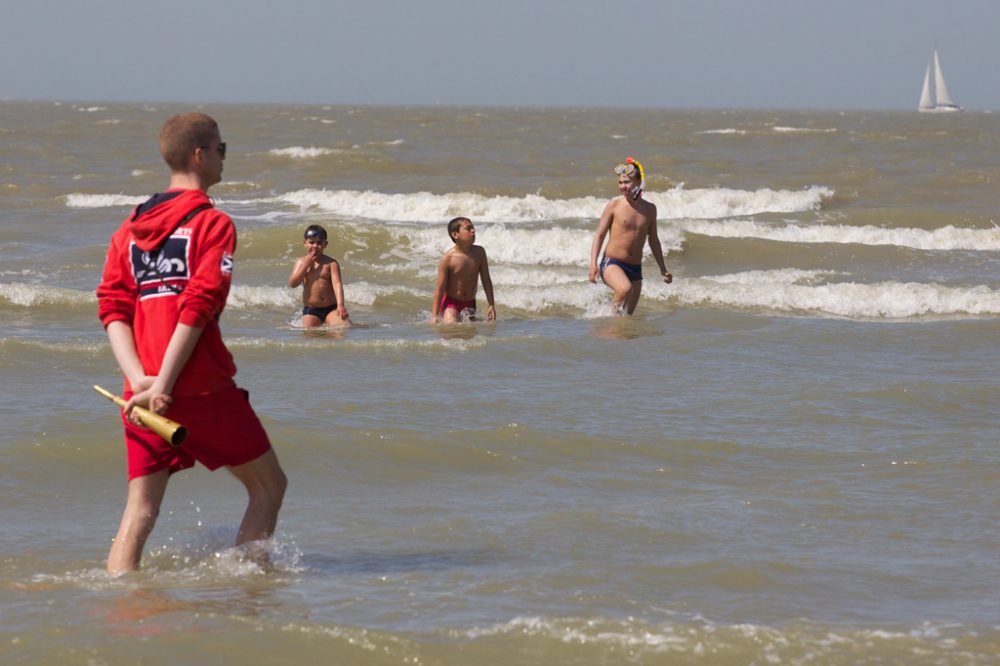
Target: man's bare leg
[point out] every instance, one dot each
(334, 319)
(265, 483)
(310, 321)
(633, 299)
(615, 278)
(145, 493)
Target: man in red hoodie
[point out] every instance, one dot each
(165, 282)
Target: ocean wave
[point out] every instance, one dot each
(715, 203)
(677, 203)
(540, 291)
(451, 340)
(945, 238)
(78, 200)
(782, 291)
(545, 247)
(515, 245)
(243, 297)
(793, 291)
(697, 640)
(727, 130)
(29, 295)
(426, 207)
(25, 348)
(301, 152)
(804, 130)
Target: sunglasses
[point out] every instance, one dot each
(626, 169)
(222, 148)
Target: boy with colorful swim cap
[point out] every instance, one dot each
(166, 278)
(323, 289)
(631, 221)
(459, 272)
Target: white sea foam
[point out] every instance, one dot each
(512, 245)
(727, 130)
(77, 200)
(794, 291)
(944, 238)
(676, 203)
(244, 297)
(787, 291)
(302, 152)
(427, 207)
(90, 109)
(29, 295)
(457, 344)
(356, 292)
(140, 172)
(804, 130)
(679, 203)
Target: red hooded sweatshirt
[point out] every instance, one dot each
(162, 269)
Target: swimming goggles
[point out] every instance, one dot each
(314, 233)
(630, 167)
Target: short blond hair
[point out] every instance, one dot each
(181, 134)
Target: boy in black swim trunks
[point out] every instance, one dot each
(322, 290)
(631, 222)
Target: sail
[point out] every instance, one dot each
(925, 97)
(943, 98)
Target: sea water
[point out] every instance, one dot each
(789, 455)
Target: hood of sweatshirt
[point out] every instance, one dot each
(153, 221)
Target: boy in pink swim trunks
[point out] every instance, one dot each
(459, 272)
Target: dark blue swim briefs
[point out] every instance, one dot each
(318, 312)
(632, 271)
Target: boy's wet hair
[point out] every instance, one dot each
(182, 134)
(315, 231)
(455, 225)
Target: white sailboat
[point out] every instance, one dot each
(938, 100)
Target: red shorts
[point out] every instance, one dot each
(449, 302)
(222, 430)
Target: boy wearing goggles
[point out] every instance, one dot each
(628, 221)
(323, 289)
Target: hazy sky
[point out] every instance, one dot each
(828, 54)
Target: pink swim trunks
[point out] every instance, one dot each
(461, 306)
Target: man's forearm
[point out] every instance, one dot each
(123, 347)
(179, 350)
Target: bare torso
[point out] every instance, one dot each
(317, 286)
(463, 272)
(630, 223)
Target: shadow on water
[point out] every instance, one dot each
(625, 328)
(464, 330)
(393, 563)
(328, 332)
